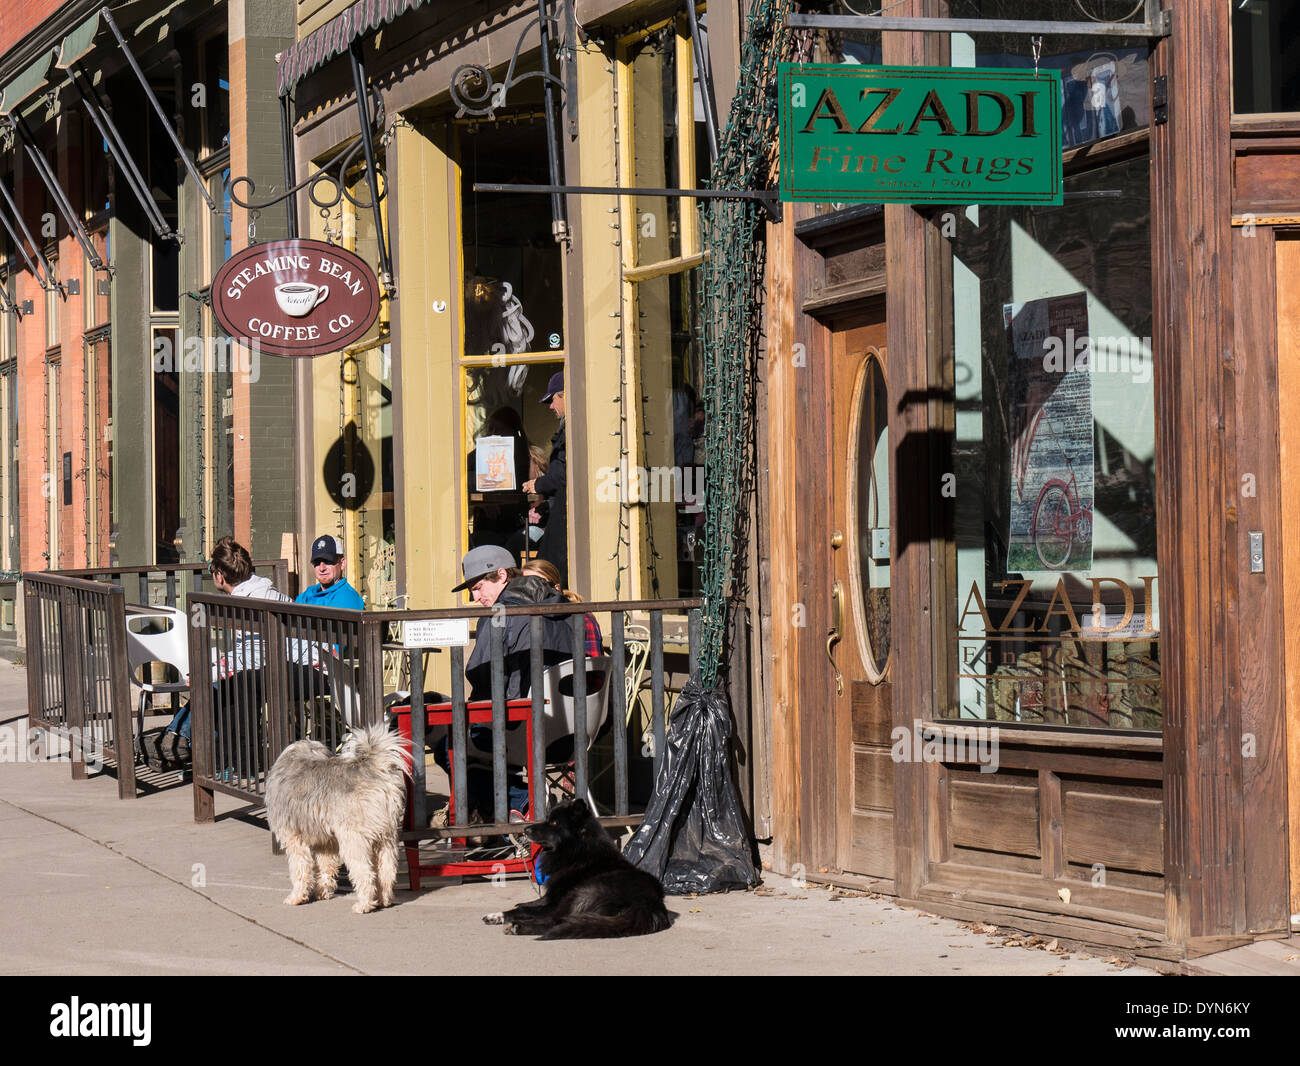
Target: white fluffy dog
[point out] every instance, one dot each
(328, 809)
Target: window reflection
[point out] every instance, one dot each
(1054, 575)
(514, 295)
(508, 433)
(1265, 56)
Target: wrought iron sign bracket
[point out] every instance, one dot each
(768, 199)
(370, 113)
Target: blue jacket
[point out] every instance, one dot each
(339, 594)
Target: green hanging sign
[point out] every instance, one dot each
(919, 135)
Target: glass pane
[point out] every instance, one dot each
(671, 484)
(506, 402)
(1105, 81)
(1265, 56)
(1055, 615)
(871, 516)
(217, 111)
(514, 287)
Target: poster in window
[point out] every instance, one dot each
(494, 464)
(1051, 432)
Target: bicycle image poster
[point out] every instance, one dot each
(1051, 432)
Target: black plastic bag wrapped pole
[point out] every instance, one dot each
(693, 837)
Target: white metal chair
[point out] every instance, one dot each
(559, 714)
(157, 636)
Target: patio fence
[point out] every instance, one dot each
(283, 672)
(278, 672)
(78, 683)
(169, 584)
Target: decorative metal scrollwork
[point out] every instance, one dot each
(332, 173)
(475, 93)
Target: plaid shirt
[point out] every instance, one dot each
(593, 636)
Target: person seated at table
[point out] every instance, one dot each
(231, 568)
(547, 571)
(308, 672)
(492, 579)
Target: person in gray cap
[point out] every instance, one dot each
(487, 570)
(554, 545)
(492, 578)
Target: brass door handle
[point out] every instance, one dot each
(836, 635)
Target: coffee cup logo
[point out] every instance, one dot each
(297, 298)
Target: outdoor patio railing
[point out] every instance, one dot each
(78, 682)
(169, 584)
(281, 672)
(273, 673)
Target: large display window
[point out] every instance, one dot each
(1052, 614)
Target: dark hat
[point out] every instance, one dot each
(481, 561)
(556, 384)
(327, 549)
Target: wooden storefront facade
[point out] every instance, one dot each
(1137, 792)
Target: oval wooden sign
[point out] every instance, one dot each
(295, 297)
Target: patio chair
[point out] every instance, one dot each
(157, 636)
(559, 716)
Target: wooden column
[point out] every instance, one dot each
(1210, 605)
(916, 485)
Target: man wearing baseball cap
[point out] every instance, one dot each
(331, 589)
(554, 545)
(493, 579)
(487, 570)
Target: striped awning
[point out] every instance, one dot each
(79, 42)
(335, 37)
(25, 84)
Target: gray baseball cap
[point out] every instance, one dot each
(481, 561)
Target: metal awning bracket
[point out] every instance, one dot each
(55, 190)
(162, 115)
(768, 199)
(1155, 24)
(117, 149)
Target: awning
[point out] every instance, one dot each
(79, 42)
(334, 38)
(25, 84)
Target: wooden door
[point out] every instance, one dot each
(858, 563)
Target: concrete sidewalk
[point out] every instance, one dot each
(96, 885)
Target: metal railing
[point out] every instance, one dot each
(281, 672)
(78, 681)
(169, 584)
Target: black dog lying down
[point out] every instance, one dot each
(591, 890)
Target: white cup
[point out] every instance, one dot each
(297, 298)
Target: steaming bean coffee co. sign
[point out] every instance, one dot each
(295, 297)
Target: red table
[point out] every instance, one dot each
(477, 713)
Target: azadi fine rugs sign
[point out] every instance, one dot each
(919, 135)
(295, 297)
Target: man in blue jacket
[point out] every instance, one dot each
(331, 588)
(308, 676)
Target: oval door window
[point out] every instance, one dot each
(870, 520)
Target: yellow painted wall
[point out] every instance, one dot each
(428, 391)
(596, 531)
